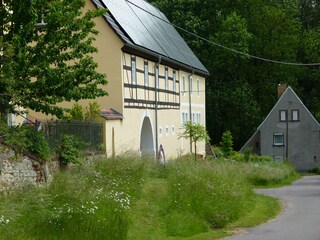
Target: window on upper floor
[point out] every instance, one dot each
(295, 115)
(184, 117)
(183, 86)
(174, 81)
(198, 118)
(283, 115)
(133, 71)
(146, 74)
(166, 77)
(157, 77)
(278, 139)
(198, 88)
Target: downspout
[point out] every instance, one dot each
(156, 82)
(190, 109)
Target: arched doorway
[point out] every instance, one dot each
(146, 139)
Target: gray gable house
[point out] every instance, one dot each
(289, 132)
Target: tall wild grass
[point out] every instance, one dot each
(101, 199)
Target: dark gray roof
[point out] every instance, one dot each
(145, 27)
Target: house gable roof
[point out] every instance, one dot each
(283, 97)
(143, 27)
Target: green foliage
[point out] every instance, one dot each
(315, 170)
(90, 113)
(199, 189)
(25, 138)
(93, 112)
(195, 132)
(16, 138)
(76, 112)
(69, 150)
(227, 143)
(45, 66)
(124, 198)
(88, 202)
(36, 143)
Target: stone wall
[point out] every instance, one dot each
(17, 172)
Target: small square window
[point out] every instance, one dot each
(167, 130)
(295, 115)
(278, 159)
(173, 130)
(278, 139)
(283, 115)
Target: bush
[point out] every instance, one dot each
(226, 144)
(37, 143)
(69, 150)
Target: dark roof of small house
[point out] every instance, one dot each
(144, 28)
(111, 114)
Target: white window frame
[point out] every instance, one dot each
(198, 88)
(283, 114)
(157, 77)
(191, 86)
(160, 131)
(183, 85)
(278, 159)
(173, 131)
(166, 77)
(133, 71)
(146, 74)
(174, 81)
(278, 143)
(167, 131)
(295, 115)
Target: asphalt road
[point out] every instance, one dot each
(300, 218)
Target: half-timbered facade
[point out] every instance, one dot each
(155, 82)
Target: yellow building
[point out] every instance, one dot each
(156, 83)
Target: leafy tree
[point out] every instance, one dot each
(76, 112)
(226, 143)
(90, 113)
(195, 132)
(93, 112)
(42, 67)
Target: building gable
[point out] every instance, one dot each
(288, 132)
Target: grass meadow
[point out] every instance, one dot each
(136, 199)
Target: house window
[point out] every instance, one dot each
(193, 118)
(198, 88)
(184, 117)
(174, 81)
(278, 139)
(173, 130)
(157, 77)
(167, 131)
(198, 118)
(283, 115)
(295, 115)
(278, 159)
(146, 74)
(183, 86)
(133, 71)
(166, 78)
(160, 131)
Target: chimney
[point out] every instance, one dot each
(281, 88)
